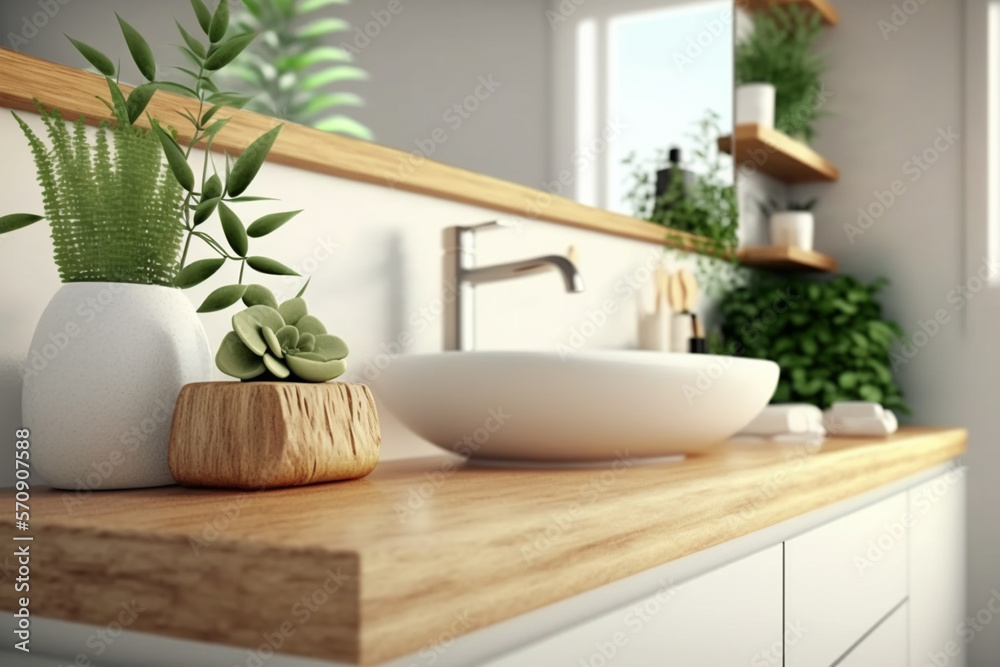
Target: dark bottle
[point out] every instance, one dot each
(665, 182)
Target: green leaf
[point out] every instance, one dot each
(235, 232)
(207, 116)
(100, 61)
(198, 272)
(253, 7)
(269, 266)
(258, 295)
(175, 158)
(204, 16)
(178, 88)
(330, 347)
(139, 48)
(304, 287)
(222, 298)
(346, 126)
(228, 51)
(220, 22)
(312, 5)
(293, 310)
(310, 324)
(301, 61)
(120, 104)
(266, 224)
(9, 223)
(248, 164)
(314, 371)
(216, 127)
(848, 380)
(329, 100)
(138, 100)
(278, 369)
(212, 188)
(322, 27)
(237, 360)
(871, 393)
(197, 48)
(333, 75)
(205, 209)
(228, 99)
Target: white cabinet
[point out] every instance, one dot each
(842, 578)
(884, 647)
(937, 571)
(731, 616)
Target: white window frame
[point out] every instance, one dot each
(982, 145)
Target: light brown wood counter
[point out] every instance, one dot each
(377, 568)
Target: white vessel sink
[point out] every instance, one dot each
(591, 406)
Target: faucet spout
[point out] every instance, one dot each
(528, 267)
(461, 275)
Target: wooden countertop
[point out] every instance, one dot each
(373, 569)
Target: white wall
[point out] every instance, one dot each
(426, 59)
(375, 260)
(891, 97)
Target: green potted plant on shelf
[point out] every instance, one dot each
(699, 200)
(124, 210)
(778, 73)
(828, 336)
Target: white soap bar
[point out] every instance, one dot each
(886, 425)
(790, 418)
(856, 410)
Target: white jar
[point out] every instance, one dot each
(755, 104)
(793, 228)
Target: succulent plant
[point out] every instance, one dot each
(279, 342)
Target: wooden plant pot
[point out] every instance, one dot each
(256, 435)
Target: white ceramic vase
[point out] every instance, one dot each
(793, 228)
(105, 367)
(755, 104)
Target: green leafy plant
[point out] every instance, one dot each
(280, 342)
(829, 337)
(772, 206)
(113, 207)
(780, 51)
(289, 71)
(108, 211)
(706, 208)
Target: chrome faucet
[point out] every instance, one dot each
(461, 275)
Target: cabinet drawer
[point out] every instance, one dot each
(884, 647)
(842, 578)
(725, 617)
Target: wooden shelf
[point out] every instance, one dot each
(786, 258)
(24, 78)
(776, 154)
(825, 9)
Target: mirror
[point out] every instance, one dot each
(552, 94)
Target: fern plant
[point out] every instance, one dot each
(113, 206)
(289, 71)
(123, 215)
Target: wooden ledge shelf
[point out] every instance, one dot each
(829, 13)
(774, 153)
(786, 258)
(24, 78)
